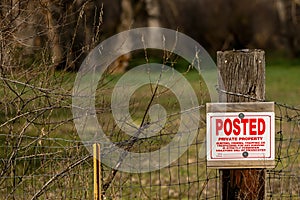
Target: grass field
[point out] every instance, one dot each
(283, 81)
(282, 85)
(182, 179)
(282, 77)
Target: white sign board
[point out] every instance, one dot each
(241, 137)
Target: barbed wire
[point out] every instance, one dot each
(256, 99)
(43, 167)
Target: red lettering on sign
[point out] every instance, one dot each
(236, 125)
(244, 122)
(249, 126)
(261, 128)
(252, 127)
(219, 125)
(227, 124)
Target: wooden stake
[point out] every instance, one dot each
(97, 172)
(242, 72)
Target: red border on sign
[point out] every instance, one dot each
(220, 158)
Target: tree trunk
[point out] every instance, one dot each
(280, 6)
(153, 10)
(126, 15)
(127, 18)
(288, 13)
(51, 10)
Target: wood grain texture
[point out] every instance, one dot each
(242, 72)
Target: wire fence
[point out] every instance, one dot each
(44, 159)
(41, 154)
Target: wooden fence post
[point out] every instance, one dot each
(97, 172)
(242, 72)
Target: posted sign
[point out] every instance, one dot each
(240, 139)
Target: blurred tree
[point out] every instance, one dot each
(289, 15)
(72, 27)
(221, 25)
(10, 40)
(153, 11)
(52, 16)
(131, 17)
(68, 29)
(126, 22)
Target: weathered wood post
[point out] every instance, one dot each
(242, 72)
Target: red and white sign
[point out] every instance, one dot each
(241, 136)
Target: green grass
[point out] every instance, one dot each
(282, 77)
(283, 83)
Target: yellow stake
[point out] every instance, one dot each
(97, 172)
